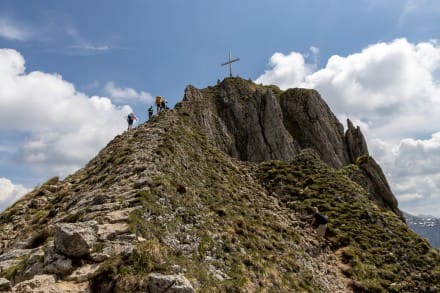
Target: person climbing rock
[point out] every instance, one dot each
(319, 221)
(150, 112)
(130, 119)
(158, 103)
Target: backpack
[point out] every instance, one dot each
(321, 219)
(129, 118)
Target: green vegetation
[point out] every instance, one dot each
(379, 251)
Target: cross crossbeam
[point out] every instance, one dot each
(230, 61)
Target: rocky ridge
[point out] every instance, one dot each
(214, 196)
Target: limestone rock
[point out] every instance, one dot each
(109, 231)
(75, 239)
(312, 124)
(54, 263)
(83, 273)
(355, 141)
(5, 285)
(48, 284)
(38, 284)
(119, 215)
(169, 283)
(377, 185)
(245, 123)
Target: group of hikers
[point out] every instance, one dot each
(161, 105)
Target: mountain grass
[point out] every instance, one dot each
(380, 253)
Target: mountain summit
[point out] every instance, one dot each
(215, 196)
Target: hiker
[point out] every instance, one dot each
(150, 112)
(163, 105)
(130, 119)
(158, 103)
(319, 221)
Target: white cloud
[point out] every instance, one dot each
(63, 128)
(392, 90)
(10, 192)
(125, 95)
(13, 31)
(80, 43)
(286, 70)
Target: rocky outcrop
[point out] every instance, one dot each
(169, 283)
(49, 284)
(256, 123)
(75, 239)
(245, 123)
(377, 185)
(313, 125)
(5, 285)
(356, 144)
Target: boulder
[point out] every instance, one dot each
(75, 239)
(169, 283)
(5, 285)
(55, 263)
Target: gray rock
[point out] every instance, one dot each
(83, 273)
(110, 231)
(55, 263)
(169, 283)
(5, 285)
(40, 283)
(355, 141)
(15, 253)
(377, 185)
(75, 239)
(245, 123)
(49, 284)
(312, 124)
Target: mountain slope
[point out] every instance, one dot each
(213, 207)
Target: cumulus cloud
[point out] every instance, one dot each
(61, 127)
(286, 70)
(392, 91)
(126, 95)
(10, 192)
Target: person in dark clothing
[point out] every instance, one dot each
(150, 112)
(130, 119)
(320, 222)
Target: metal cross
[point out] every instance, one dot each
(230, 63)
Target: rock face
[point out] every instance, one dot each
(214, 196)
(255, 123)
(355, 142)
(245, 123)
(313, 125)
(377, 185)
(75, 239)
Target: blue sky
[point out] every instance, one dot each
(73, 69)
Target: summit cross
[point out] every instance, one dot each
(230, 64)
